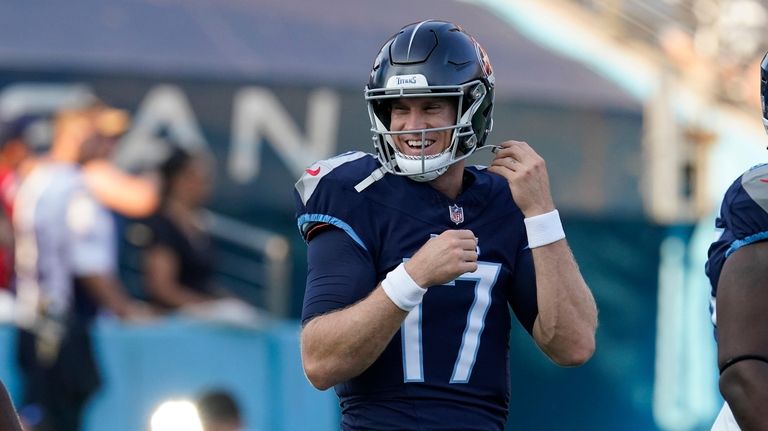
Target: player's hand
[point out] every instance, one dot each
(526, 173)
(443, 258)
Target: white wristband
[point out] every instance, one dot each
(401, 289)
(544, 229)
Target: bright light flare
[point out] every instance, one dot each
(176, 415)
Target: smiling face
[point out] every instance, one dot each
(422, 113)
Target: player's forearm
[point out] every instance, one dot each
(130, 195)
(338, 346)
(567, 320)
(745, 386)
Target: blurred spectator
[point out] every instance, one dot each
(130, 195)
(65, 269)
(9, 420)
(176, 251)
(178, 260)
(14, 152)
(219, 411)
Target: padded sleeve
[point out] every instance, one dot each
(522, 295)
(340, 273)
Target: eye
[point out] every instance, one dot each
(399, 109)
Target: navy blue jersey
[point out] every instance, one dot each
(743, 219)
(447, 367)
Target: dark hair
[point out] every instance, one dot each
(217, 405)
(177, 160)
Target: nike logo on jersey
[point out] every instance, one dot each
(313, 172)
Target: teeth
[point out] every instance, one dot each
(417, 144)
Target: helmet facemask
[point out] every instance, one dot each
(423, 167)
(435, 59)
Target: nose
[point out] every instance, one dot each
(414, 120)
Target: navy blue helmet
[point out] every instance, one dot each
(426, 59)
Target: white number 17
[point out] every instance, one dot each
(413, 360)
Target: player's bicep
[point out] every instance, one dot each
(742, 304)
(522, 294)
(339, 273)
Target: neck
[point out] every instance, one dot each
(63, 153)
(450, 182)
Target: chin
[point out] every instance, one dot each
(416, 153)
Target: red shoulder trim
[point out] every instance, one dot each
(316, 229)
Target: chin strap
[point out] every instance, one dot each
(370, 179)
(379, 173)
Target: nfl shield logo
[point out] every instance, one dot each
(457, 213)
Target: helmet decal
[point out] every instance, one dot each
(404, 81)
(413, 35)
(485, 62)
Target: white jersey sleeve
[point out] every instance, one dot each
(725, 420)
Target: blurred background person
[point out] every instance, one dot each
(179, 257)
(15, 155)
(66, 269)
(219, 411)
(20, 145)
(177, 253)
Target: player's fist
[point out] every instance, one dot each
(443, 258)
(526, 174)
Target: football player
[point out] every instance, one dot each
(738, 272)
(414, 258)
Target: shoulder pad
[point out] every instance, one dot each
(307, 184)
(755, 183)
